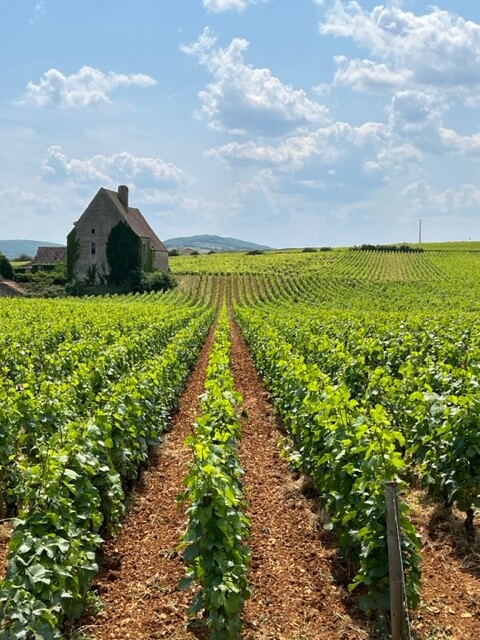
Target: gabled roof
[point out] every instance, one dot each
(50, 255)
(136, 221)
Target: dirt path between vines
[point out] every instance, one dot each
(139, 578)
(294, 594)
(5, 536)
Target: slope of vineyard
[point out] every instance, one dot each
(342, 278)
(372, 362)
(342, 263)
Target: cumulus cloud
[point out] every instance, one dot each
(465, 145)
(219, 6)
(370, 146)
(365, 75)
(426, 64)
(416, 117)
(85, 88)
(422, 198)
(118, 168)
(438, 49)
(290, 154)
(343, 161)
(245, 99)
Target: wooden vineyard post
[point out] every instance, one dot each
(398, 613)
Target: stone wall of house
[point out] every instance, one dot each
(92, 232)
(160, 260)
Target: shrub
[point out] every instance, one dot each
(5, 268)
(73, 254)
(23, 277)
(255, 252)
(37, 280)
(390, 248)
(156, 281)
(91, 274)
(173, 252)
(309, 250)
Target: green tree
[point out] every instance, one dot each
(73, 254)
(124, 255)
(5, 267)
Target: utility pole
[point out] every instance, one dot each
(420, 231)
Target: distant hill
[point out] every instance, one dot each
(212, 243)
(14, 248)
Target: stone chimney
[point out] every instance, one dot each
(123, 195)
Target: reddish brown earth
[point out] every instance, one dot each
(294, 594)
(141, 570)
(297, 579)
(5, 534)
(450, 574)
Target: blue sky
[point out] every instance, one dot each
(284, 122)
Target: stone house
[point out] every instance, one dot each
(87, 242)
(47, 258)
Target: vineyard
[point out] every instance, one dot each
(133, 504)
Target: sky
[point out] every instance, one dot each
(289, 123)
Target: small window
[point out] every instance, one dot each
(93, 231)
(93, 248)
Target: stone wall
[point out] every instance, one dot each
(93, 229)
(160, 260)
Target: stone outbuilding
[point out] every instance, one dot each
(87, 242)
(49, 257)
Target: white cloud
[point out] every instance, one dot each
(290, 154)
(421, 198)
(395, 158)
(465, 145)
(371, 144)
(85, 88)
(118, 168)
(427, 64)
(219, 6)
(365, 75)
(416, 117)
(244, 99)
(438, 49)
